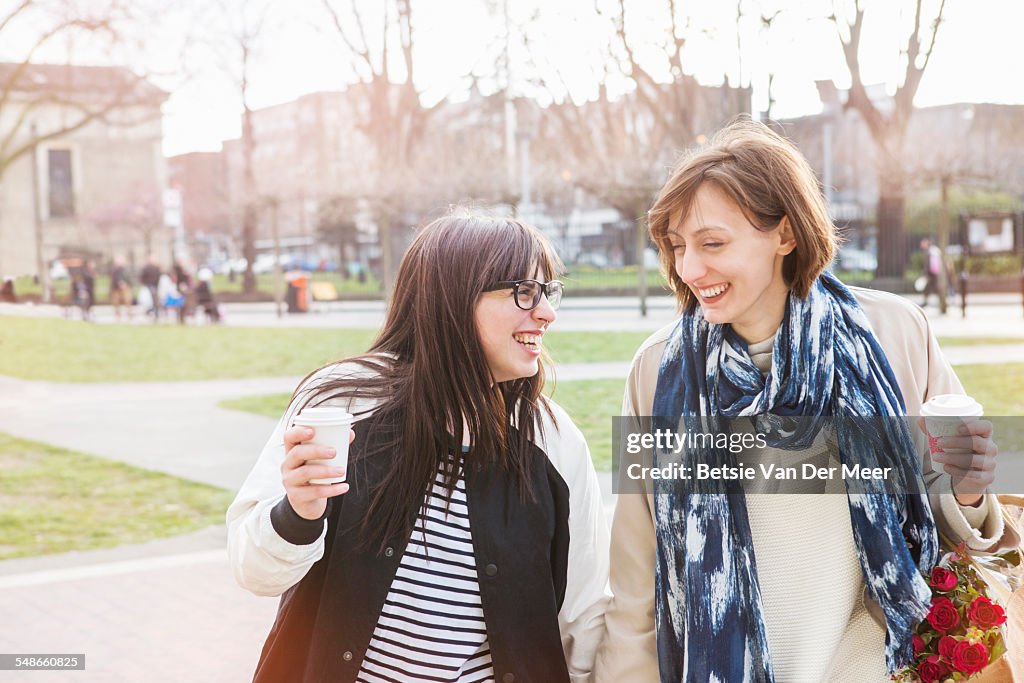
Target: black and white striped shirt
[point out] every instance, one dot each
(432, 625)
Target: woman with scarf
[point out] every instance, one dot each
(711, 582)
(469, 542)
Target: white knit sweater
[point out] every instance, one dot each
(806, 555)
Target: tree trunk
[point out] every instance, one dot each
(386, 253)
(641, 248)
(892, 243)
(944, 272)
(892, 248)
(249, 247)
(249, 185)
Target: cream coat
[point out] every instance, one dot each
(819, 623)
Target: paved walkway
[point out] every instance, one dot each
(990, 315)
(169, 610)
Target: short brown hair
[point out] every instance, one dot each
(768, 177)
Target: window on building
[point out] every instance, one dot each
(62, 196)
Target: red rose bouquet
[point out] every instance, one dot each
(962, 633)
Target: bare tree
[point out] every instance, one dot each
(336, 225)
(140, 212)
(619, 148)
(765, 21)
(83, 95)
(245, 21)
(393, 119)
(888, 128)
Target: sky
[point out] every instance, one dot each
(977, 58)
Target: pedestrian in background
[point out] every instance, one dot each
(120, 289)
(205, 300)
(183, 283)
(932, 265)
(83, 289)
(7, 294)
(168, 296)
(149, 278)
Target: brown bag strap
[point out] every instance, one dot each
(1015, 499)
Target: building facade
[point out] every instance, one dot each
(82, 170)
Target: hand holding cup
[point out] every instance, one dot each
(961, 444)
(315, 462)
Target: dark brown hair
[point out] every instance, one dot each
(428, 372)
(768, 177)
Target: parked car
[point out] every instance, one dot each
(228, 266)
(856, 259)
(264, 263)
(58, 271)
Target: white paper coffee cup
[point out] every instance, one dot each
(944, 415)
(331, 427)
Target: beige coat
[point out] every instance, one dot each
(829, 600)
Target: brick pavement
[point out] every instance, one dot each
(138, 621)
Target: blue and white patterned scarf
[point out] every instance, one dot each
(826, 362)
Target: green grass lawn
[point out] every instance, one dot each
(222, 284)
(71, 351)
(999, 388)
(625, 278)
(590, 403)
(977, 341)
(265, 283)
(54, 500)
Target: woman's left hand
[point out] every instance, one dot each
(969, 458)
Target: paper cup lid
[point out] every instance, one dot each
(951, 405)
(323, 415)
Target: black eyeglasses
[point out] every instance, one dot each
(529, 292)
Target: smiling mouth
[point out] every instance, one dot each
(713, 294)
(530, 341)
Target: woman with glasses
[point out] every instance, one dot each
(712, 583)
(468, 543)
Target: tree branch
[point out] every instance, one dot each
(364, 52)
(25, 4)
(908, 90)
(858, 96)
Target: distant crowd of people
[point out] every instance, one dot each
(159, 293)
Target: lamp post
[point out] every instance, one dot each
(943, 242)
(273, 203)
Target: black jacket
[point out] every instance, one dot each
(325, 621)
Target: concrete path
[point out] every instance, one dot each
(990, 315)
(170, 610)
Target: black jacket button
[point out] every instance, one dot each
(492, 570)
(347, 656)
(389, 552)
(508, 678)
